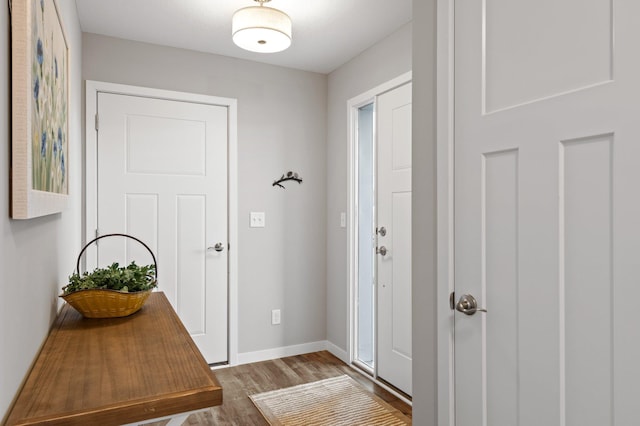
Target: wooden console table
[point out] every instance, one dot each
(116, 371)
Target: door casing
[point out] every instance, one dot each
(91, 177)
(444, 213)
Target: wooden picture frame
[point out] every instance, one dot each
(40, 110)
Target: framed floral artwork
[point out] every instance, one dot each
(40, 110)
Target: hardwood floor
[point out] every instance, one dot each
(243, 380)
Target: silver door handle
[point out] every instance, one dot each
(468, 305)
(382, 231)
(217, 247)
(382, 250)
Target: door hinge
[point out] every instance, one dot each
(97, 123)
(452, 300)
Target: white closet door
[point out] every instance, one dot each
(162, 177)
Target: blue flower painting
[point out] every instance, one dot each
(49, 74)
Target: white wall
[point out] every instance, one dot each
(281, 127)
(424, 215)
(386, 60)
(37, 255)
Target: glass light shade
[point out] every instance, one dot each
(261, 29)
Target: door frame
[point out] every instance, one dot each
(445, 283)
(91, 178)
(352, 158)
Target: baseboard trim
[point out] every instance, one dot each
(338, 352)
(284, 351)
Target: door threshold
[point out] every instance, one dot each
(384, 385)
(366, 368)
(219, 365)
(400, 393)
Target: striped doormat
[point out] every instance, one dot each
(330, 402)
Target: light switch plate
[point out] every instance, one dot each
(257, 220)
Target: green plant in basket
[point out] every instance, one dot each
(132, 278)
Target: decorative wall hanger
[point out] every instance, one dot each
(286, 177)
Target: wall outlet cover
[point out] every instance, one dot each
(275, 317)
(257, 220)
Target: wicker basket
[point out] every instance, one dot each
(102, 303)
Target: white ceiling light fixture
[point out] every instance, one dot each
(261, 29)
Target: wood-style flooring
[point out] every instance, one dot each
(241, 381)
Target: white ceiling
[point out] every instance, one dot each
(326, 33)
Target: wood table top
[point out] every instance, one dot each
(116, 371)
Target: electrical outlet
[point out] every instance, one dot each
(275, 317)
(256, 220)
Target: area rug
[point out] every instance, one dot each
(330, 402)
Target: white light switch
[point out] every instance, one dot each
(343, 220)
(257, 220)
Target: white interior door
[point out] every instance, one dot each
(162, 177)
(394, 260)
(547, 229)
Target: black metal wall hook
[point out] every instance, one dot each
(285, 177)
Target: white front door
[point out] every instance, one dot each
(547, 212)
(394, 247)
(162, 177)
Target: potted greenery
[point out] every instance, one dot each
(113, 291)
(124, 279)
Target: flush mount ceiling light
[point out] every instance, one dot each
(261, 29)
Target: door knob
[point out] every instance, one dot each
(382, 250)
(468, 305)
(382, 231)
(217, 247)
